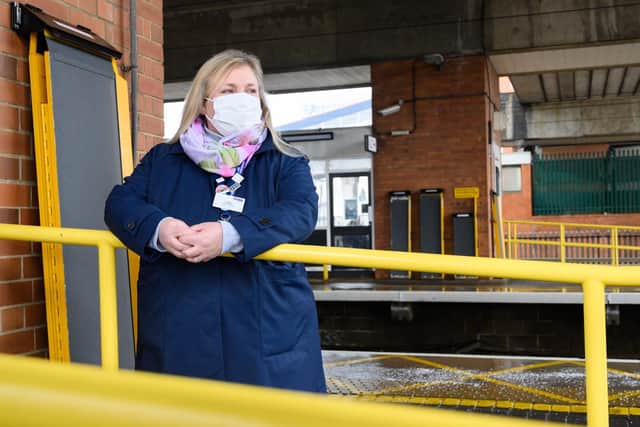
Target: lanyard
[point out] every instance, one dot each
(222, 187)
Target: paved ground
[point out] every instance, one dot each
(551, 389)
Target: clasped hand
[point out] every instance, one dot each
(198, 243)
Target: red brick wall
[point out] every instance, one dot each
(448, 147)
(22, 309)
(518, 204)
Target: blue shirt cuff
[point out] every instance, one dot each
(154, 243)
(231, 241)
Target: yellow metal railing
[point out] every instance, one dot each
(106, 244)
(39, 393)
(571, 242)
(593, 279)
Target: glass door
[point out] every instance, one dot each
(350, 219)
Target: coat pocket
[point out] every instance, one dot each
(287, 307)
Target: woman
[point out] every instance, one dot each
(224, 183)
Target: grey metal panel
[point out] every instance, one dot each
(430, 223)
(463, 234)
(88, 156)
(399, 202)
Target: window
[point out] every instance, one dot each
(511, 179)
(323, 109)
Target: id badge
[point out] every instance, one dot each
(227, 202)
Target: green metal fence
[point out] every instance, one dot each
(585, 183)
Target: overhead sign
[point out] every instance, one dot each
(466, 192)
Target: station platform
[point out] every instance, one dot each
(464, 290)
(536, 388)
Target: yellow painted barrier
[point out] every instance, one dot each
(593, 278)
(106, 244)
(40, 393)
(595, 348)
(565, 242)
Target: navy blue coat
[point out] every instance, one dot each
(233, 319)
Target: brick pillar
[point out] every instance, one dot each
(22, 309)
(448, 145)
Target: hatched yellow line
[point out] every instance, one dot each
(612, 370)
(625, 373)
(410, 387)
(361, 360)
(623, 395)
(343, 384)
(494, 381)
(526, 367)
(463, 377)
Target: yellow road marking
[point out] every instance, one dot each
(463, 377)
(493, 380)
(623, 395)
(360, 360)
(625, 373)
(410, 386)
(487, 377)
(527, 367)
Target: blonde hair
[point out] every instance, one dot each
(210, 75)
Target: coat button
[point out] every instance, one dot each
(131, 225)
(264, 221)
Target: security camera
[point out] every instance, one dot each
(436, 59)
(391, 109)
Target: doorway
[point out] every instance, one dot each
(350, 216)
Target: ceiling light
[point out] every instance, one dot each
(307, 136)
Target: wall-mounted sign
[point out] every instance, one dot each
(370, 144)
(466, 192)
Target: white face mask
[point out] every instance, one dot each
(235, 112)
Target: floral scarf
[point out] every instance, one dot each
(223, 156)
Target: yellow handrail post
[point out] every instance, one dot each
(325, 272)
(563, 246)
(108, 307)
(515, 233)
(508, 240)
(614, 241)
(595, 350)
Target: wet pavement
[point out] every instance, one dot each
(541, 388)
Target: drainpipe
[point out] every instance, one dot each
(134, 79)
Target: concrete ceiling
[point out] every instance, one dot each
(553, 51)
(295, 81)
(577, 85)
(571, 74)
